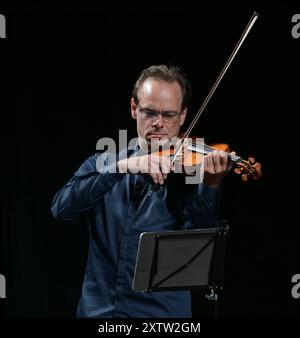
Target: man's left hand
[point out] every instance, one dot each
(216, 166)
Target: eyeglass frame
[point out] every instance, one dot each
(171, 118)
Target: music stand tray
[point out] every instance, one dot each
(180, 260)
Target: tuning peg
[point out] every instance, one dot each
(245, 177)
(237, 171)
(251, 160)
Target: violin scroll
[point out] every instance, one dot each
(248, 169)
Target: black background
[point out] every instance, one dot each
(66, 79)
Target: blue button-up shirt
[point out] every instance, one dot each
(118, 209)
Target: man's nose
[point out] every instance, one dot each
(158, 121)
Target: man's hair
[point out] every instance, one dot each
(165, 73)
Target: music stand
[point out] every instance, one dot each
(182, 260)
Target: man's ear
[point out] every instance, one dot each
(183, 116)
(133, 107)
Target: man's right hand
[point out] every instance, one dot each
(158, 167)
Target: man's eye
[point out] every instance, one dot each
(169, 114)
(150, 113)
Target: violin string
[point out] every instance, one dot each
(238, 159)
(209, 149)
(204, 146)
(215, 85)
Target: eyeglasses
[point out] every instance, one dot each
(149, 114)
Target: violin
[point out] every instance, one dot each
(193, 152)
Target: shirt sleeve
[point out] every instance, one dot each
(203, 208)
(88, 185)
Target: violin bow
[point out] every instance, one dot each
(246, 31)
(249, 26)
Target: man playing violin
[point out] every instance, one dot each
(159, 105)
(120, 205)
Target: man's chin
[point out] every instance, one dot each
(157, 137)
(156, 142)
